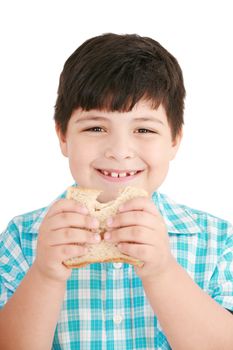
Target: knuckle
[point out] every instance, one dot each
(136, 232)
(68, 234)
(64, 216)
(72, 250)
(75, 235)
(137, 215)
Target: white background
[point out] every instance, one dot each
(36, 39)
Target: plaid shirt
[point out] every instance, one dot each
(105, 307)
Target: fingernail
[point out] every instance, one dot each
(107, 236)
(84, 210)
(109, 221)
(94, 223)
(97, 237)
(121, 207)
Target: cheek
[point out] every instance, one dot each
(156, 155)
(79, 165)
(81, 154)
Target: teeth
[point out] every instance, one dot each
(123, 174)
(114, 174)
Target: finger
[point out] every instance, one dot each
(66, 205)
(133, 234)
(139, 251)
(72, 236)
(140, 203)
(133, 218)
(64, 252)
(70, 219)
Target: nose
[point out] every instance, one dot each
(119, 148)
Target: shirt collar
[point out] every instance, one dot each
(179, 219)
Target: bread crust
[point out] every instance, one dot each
(103, 251)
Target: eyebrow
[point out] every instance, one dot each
(99, 118)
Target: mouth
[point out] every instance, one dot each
(119, 176)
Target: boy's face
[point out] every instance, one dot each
(105, 147)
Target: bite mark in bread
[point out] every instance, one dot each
(103, 251)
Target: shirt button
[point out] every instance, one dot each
(117, 265)
(117, 318)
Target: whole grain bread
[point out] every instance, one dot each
(103, 251)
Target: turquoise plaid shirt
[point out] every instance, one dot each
(105, 307)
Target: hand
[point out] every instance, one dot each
(62, 235)
(141, 233)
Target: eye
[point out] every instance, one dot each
(145, 131)
(95, 129)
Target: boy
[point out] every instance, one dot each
(119, 117)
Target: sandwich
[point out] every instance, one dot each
(103, 251)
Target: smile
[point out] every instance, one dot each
(119, 175)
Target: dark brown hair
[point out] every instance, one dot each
(113, 72)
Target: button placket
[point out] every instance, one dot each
(118, 291)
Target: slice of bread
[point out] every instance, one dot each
(103, 251)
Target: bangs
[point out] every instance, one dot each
(117, 101)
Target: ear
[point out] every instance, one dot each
(176, 144)
(62, 140)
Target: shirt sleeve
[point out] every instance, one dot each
(13, 265)
(221, 283)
